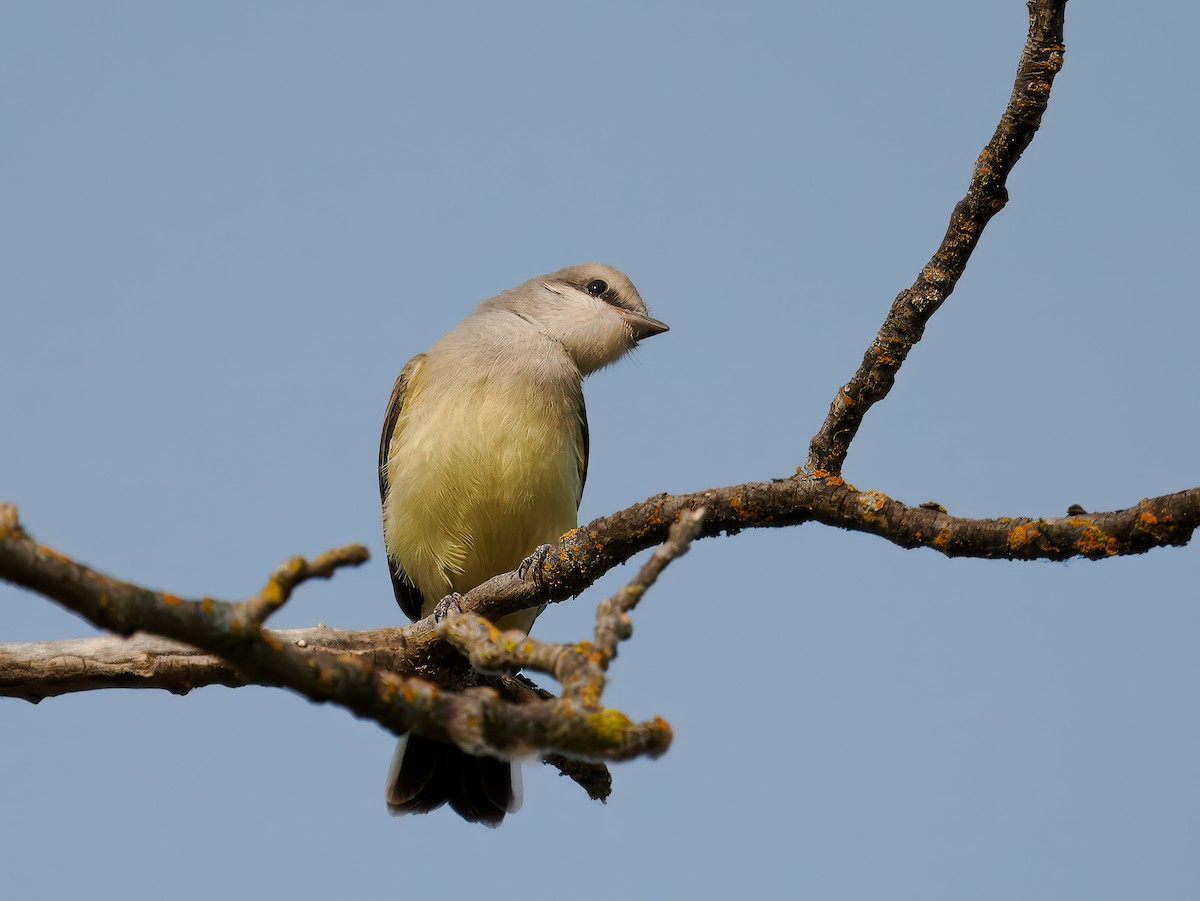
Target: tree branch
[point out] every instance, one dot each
(578, 667)
(583, 555)
(986, 196)
(45, 669)
(290, 575)
(477, 719)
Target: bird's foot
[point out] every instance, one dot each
(532, 565)
(451, 603)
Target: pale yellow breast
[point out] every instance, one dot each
(478, 476)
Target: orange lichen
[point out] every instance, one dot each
(388, 689)
(1157, 524)
(408, 693)
(741, 509)
(589, 695)
(206, 605)
(870, 503)
(1093, 541)
(941, 540)
(170, 600)
(1018, 536)
(52, 553)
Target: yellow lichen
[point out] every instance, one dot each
(609, 725)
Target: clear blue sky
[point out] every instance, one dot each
(226, 226)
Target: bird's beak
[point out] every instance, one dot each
(643, 326)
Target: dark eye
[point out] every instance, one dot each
(596, 287)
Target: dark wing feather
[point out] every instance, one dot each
(584, 446)
(406, 593)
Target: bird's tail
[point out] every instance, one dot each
(425, 774)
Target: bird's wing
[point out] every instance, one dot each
(584, 442)
(407, 595)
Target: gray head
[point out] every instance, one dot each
(592, 310)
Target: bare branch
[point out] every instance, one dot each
(612, 614)
(45, 669)
(593, 778)
(986, 196)
(478, 720)
(578, 667)
(492, 651)
(583, 555)
(36, 670)
(286, 578)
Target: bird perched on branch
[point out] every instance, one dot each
(483, 459)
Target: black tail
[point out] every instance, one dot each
(426, 774)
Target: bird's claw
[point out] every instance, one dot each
(533, 565)
(451, 603)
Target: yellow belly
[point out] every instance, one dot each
(477, 481)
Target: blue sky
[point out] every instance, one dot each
(226, 226)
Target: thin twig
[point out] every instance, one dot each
(612, 614)
(285, 579)
(986, 196)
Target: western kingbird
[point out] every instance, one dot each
(482, 460)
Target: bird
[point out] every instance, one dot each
(482, 461)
